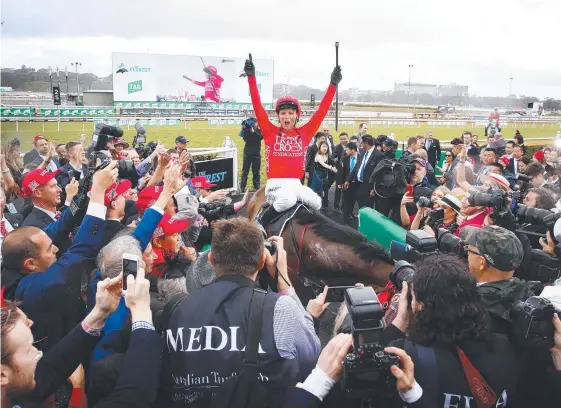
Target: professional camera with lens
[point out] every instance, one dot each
(98, 159)
(424, 202)
(494, 198)
(536, 216)
(214, 212)
(366, 370)
(419, 243)
(403, 271)
(532, 322)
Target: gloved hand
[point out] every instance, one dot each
(249, 67)
(335, 75)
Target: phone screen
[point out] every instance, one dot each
(336, 293)
(130, 267)
(409, 190)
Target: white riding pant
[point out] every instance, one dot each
(283, 193)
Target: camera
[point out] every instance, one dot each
(419, 243)
(494, 198)
(403, 271)
(536, 216)
(545, 268)
(424, 202)
(532, 322)
(214, 212)
(366, 370)
(125, 167)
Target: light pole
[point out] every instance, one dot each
(76, 64)
(409, 89)
(510, 87)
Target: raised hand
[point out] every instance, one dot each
(336, 75)
(104, 178)
(71, 189)
(249, 67)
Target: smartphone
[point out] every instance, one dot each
(409, 190)
(336, 293)
(130, 267)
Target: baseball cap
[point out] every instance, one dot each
(122, 186)
(37, 137)
(499, 246)
(451, 202)
(170, 226)
(181, 139)
(504, 160)
(422, 162)
(147, 198)
(202, 182)
(35, 179)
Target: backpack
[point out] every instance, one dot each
(244, 389)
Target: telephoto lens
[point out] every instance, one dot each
(424, 202)
(403, 271)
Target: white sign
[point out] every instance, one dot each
(186, 78)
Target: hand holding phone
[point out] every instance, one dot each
(409, 190)
(130, 267)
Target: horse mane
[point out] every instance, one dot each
(334, 232)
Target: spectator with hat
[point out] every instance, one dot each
(181, 144)
(39, 152)
(505, 163)
(115, 203)
(50, 289)
(41, 187)
(166, 242)
(202, 187)
(119, 145)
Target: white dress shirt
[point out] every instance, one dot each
(52, 166)
(363, 164)
(51, 214)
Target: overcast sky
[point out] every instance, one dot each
(479, 43)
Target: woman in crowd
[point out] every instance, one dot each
(11, 153)
(448, 159)
(417, 220)
(322, 166)
(519, 139)
(523, 163)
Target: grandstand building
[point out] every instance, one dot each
(453, 90)
(416, 88)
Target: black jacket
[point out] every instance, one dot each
(30, 156)
(252, 142)
(433, 152)
(66, 174)
(310, 158)
(373, 160)
(37, 218)
(112, 228)
(144, 355)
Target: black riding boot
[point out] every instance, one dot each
(267, 214)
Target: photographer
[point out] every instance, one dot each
(251, 135)
(424, 206)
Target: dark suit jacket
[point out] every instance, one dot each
(310, 157)
(38, 160)
(338, 154)
(16, 220)
(66, 173)
(30, 156)
(373, 160)
(112, 227)
(37, 218)
(433, 152)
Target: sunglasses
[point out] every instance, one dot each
(448, 155)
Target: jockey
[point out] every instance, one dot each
(212, 84)
(285, 146)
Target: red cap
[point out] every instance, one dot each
(116, 189)
(38, 137)
(539, 155)
(202, 182)
(505, 161)
(147, 198)
(170, 226)
(35, 179)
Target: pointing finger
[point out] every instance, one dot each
(250, 57)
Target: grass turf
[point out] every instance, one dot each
(202, 134)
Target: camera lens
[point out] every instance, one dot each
(402, 272)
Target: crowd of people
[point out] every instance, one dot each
(198, 327)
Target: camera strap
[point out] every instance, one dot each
(426, 369)
(480, 389)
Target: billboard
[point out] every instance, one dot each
(187, 78)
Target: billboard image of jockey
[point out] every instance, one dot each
(212, 84)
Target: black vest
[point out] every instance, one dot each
(205, 341)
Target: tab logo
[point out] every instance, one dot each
(135, 86)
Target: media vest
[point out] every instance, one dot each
(205, 344)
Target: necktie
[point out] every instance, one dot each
(362, 165)
(353, 162)
(3, 229)
(57, 215)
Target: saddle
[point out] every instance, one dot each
(271, 222)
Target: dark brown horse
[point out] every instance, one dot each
(321, 251)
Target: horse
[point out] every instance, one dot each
(322, 252)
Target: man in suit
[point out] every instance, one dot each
(338, 155)
(517, 153)
(347, 166)
(44, 151)
(41, 187)
(50, 290)
(115, 203)
(358, 183)
(432, 146)
(75, 167)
